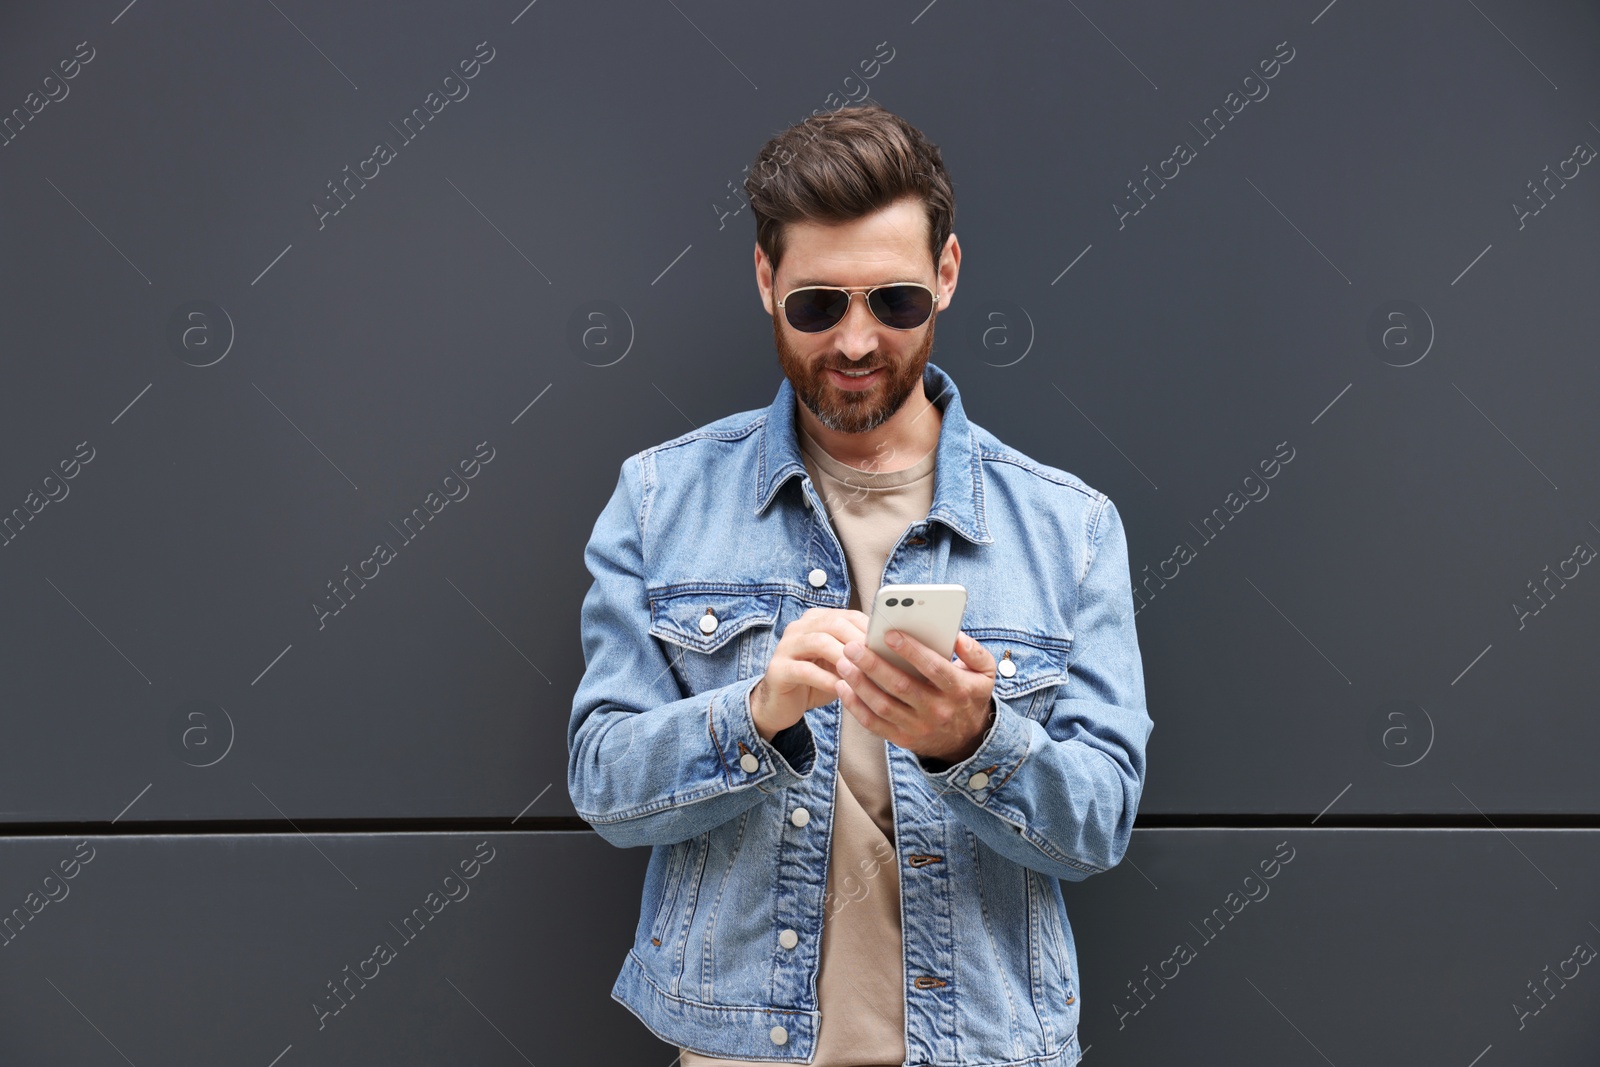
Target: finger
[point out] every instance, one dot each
(842, 628)
(939, 671)
(860, 699)
(819, 620)
(806, 672)
(819, 647)
(838, 621)
(857, 624)
(974, 655)
(849, 625)
(891, 680)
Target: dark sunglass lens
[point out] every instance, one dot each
(815, 310)
(903, 307)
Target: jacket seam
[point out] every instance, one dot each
(1096, 535)
(1068, 481)
(674, 801)
(1039, 992)
(1046, 846)
(983, 910)
(716, 742)
(1042, 844)
(708, 977)
(691, 904)
(704, 433)
(1054, 1055)
(677, 859)
(644, 974)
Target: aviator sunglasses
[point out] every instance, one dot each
(817, 308)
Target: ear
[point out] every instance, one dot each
(764, 281)
(949, 267)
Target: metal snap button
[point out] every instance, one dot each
(779, 1035)
(818, 578)
(708, 622)
(749, 762)
(800, 816)
(977, 781)
(1007, 666)
(788, 939)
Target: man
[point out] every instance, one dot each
(852, 866)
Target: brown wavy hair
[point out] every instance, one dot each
(841, 165)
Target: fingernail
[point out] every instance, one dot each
(894, 638)
(853, 651)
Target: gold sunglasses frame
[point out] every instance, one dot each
(866, 292)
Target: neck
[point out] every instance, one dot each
(901, 441)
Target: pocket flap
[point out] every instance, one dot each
(676, 617)
(1040, 661)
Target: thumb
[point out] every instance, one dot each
(973, 654)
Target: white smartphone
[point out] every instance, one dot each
(930, 613)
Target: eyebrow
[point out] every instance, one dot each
(822, 281)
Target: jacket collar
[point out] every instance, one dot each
(958, 474)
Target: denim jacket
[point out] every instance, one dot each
(710, 545)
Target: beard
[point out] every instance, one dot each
(844, 411)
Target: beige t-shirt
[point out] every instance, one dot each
(861, 977)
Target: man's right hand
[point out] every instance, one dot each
(800, 676)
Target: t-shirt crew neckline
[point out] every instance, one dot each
(863, 478)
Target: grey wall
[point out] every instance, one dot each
(219, 392)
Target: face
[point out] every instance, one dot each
(888, 246)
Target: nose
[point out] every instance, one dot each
(856, 334)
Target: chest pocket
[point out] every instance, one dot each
(1037, 666)
(714, 638)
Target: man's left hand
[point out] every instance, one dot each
(943, 717)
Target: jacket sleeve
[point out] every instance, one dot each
(1060, 796)
(647, 765)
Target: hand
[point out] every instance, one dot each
(942, 715)
(800, 675)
